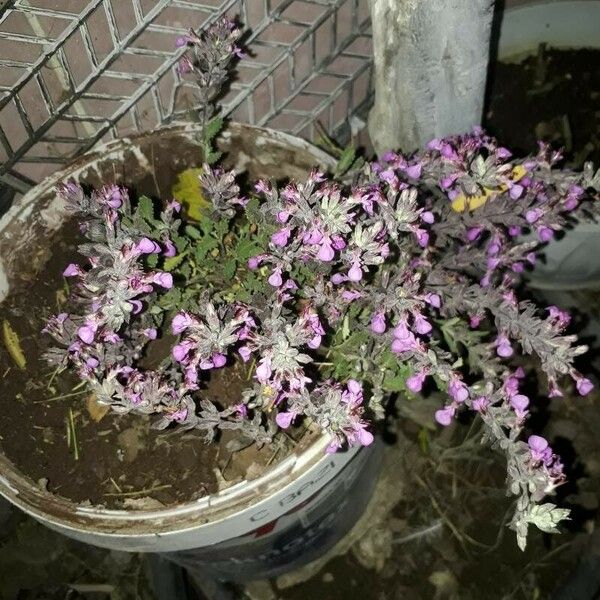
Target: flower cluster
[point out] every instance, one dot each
(208, 58)
(335, 295)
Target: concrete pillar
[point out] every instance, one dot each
(431, 60)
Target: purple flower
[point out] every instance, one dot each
(326, 252)
(170, 249)
(87, 332)
(422, 325)
(427, 217)
(338, 242)
(514, 230)
(474, 232)
(444, 416)
(312, 237)
(503, 347)
(448, 181)
(180, 351)
(285, 419)
(355, 273)
(584, 386)
(113, 196)
(263, 371)
(179, 415)
(475, 321)
(219, 360)
(433, 299)
(561, 317)
(282, 216)
(553, 389)
(415, 382)
(146, 246)
(354, 387)
(173, 206)
(404, 339)
(457, 390)
(494, 246)
(254, 262)
(206, 364)
(165, 280)
(414, 171)
(245, 353)
(545, 234)
(480, 404)
(338, 278)
(533, 215)
(389, 177)
(150, 333)
(539, 448)
(72, 270)
(516, 191)
(281, 237)
(275, 278)
(181, 322)
(519, 402)
(422, 237)
(362, 436)
(378, 323)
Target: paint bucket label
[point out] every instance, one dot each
(319, 518)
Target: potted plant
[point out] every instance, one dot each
(74, 466)
(325, 298)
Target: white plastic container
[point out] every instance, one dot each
(573, 262)
(259, 528)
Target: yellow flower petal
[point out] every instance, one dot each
(463, 202)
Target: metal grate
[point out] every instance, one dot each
(73, 72)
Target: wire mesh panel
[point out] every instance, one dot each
(73, 72)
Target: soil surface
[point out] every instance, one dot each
(114, 460)
(50, 428)
(555, 97)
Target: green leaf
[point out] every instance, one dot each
(145, 209)
(252, 210)
(547, 516)
(212, 157)
(181, 243)
(193, 232)
(245, 249)
(229, 269)
(152, 260)
(203, 247)
(346, 160)
(174, 261)
(171, 299)
(221, 228)
(212, 128)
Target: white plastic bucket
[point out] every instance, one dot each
(572, 262)
(303, 496)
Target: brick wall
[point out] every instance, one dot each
(73, 72)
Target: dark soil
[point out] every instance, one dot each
(555, 97)
(119, 459)
(117, 456)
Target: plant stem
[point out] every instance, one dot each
(139, 492)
